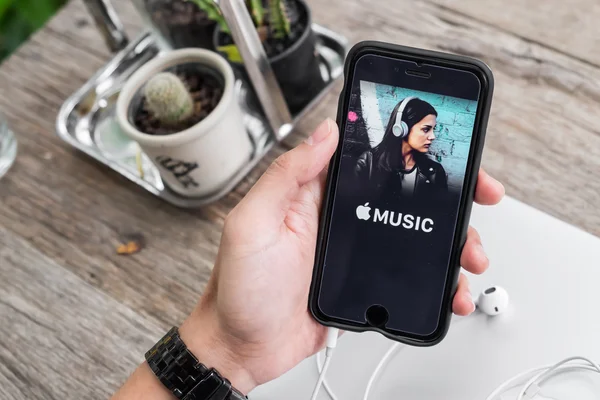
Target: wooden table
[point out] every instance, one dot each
(76, 318)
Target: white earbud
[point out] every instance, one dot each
(493, 300)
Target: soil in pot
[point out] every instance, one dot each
(294, 58)
(181, 23)
(206, 88)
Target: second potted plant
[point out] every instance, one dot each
(285, 29)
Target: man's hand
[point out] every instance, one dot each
(253, 323)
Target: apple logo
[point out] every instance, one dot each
(364, 212)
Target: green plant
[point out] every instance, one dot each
(20, 18)
(213, 12)
(168, 99)
(258, 12)
(270, 20)
(280, 21)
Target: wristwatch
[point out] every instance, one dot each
(182, 374)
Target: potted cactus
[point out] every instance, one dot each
(285, 29)
(182, 110)
(178, 23)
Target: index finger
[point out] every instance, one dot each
(488, 191)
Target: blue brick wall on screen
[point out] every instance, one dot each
(456, 118)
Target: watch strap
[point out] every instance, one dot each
(183, 375)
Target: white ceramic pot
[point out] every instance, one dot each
(200, 160)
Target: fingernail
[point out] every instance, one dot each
(320, 133)
(469, 298)
(499, 185)
(482, 253)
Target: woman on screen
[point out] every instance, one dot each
(399, 164)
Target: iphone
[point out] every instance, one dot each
(399, 191)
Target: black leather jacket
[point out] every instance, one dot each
(431, 180)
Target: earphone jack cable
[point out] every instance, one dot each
(332, 337)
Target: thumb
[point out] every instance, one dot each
(274, 191)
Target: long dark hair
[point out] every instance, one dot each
(387, 155)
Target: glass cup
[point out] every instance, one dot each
(8, 146)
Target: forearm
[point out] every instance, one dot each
(200, 334)
(143, 385)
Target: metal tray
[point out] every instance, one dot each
(86, 120)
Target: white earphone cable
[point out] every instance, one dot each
(331, 343)
(388, 354)
(548, 371)
(381, 364)
(376, 372)
(325, 384)
(541, 373)
(321, 377)
(529, 390)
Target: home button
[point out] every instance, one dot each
(377, 316)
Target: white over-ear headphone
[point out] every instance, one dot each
(400, 128)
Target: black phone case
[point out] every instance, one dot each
(486, 78)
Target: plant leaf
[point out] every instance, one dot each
(258, 12)
(15, 31)
(278, 19)
(20, 18)
(232, 53)
(212, 12)
(4, 6)
(287, 28)
(34, 11)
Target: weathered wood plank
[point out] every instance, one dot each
(78, 215)
(75, 210)
(568, 26)
(77, 20)
(62, 213)
(62, 338)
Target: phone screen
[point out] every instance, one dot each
(406, 143)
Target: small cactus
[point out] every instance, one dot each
(168, 99)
